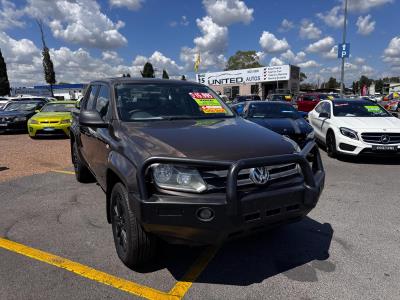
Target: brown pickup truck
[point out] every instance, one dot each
(176, 163)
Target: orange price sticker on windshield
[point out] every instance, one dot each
(207, 103)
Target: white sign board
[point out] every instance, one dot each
(254, 75)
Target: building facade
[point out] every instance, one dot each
(260, 81)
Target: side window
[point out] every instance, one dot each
(103, 101)
(90, 97)
(318, 109)
(325, 107)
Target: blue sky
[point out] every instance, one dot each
(95, 38)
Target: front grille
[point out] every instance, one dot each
(381, 138)
(6, 119)
(217, 179)
(49, 122)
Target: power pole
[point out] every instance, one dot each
(343, 58)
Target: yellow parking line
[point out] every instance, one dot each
(63, 172)
(181, 287)
(84, 271)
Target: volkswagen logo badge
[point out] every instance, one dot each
(385, 139)
(260, 175)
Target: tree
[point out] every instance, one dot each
(165, 74)
(4, 83)
(243, 60)
(183, 77)
(332, 83)
(302, 76)
(48, 67)
(148, 71)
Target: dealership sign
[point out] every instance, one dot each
(254, 75)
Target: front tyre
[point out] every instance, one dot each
(331, 149)
(134, 246)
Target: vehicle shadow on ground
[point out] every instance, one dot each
(367, 160)
(371, 160)
(298, 250)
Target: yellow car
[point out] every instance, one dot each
(53, 119)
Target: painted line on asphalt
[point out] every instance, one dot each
(64, 172)
(182, 286)
(85, 271)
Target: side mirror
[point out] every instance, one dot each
(324, 115)
(394, 114)
(92, 118)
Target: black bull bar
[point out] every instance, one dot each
(309, 160)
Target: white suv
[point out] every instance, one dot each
(355, 127)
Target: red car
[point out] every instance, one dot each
(307, 102)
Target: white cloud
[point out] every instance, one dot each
(160, 62)
(79, 22)
(309, 64)
(111, 57)
(214, 38)
(321, 45)
(130, 4)
(17, 51)
(183, 22)
(212, 45)
(333, 18)
(359, 60)
(391, 54)
(276, 62)
(226, 12)
(365, 5)
(10, 15)
(271, 44)
(308, 30)
(332, 54)
(292, 58)
(286, 25)
(24, 62)
(365, 25)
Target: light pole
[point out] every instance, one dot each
(344, 42)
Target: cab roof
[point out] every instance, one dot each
(138, 80)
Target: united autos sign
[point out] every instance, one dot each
(264, 74)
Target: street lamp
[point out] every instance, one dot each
(343, 57)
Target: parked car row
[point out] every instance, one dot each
(37, 116)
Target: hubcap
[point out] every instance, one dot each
(119, 224)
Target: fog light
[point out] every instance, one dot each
(205, 214)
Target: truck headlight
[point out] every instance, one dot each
(296, 147)
(172, 177)
(66, 121)
(349, 133)
(33, 121)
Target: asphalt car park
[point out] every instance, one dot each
(55, 242)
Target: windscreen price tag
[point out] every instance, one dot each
(207, 103)
(373, 108)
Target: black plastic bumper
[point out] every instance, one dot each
(175, 217)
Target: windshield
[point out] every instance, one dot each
(58, 107)
(21, 106)
(143, 102)
(273, 111)
(358, 109)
